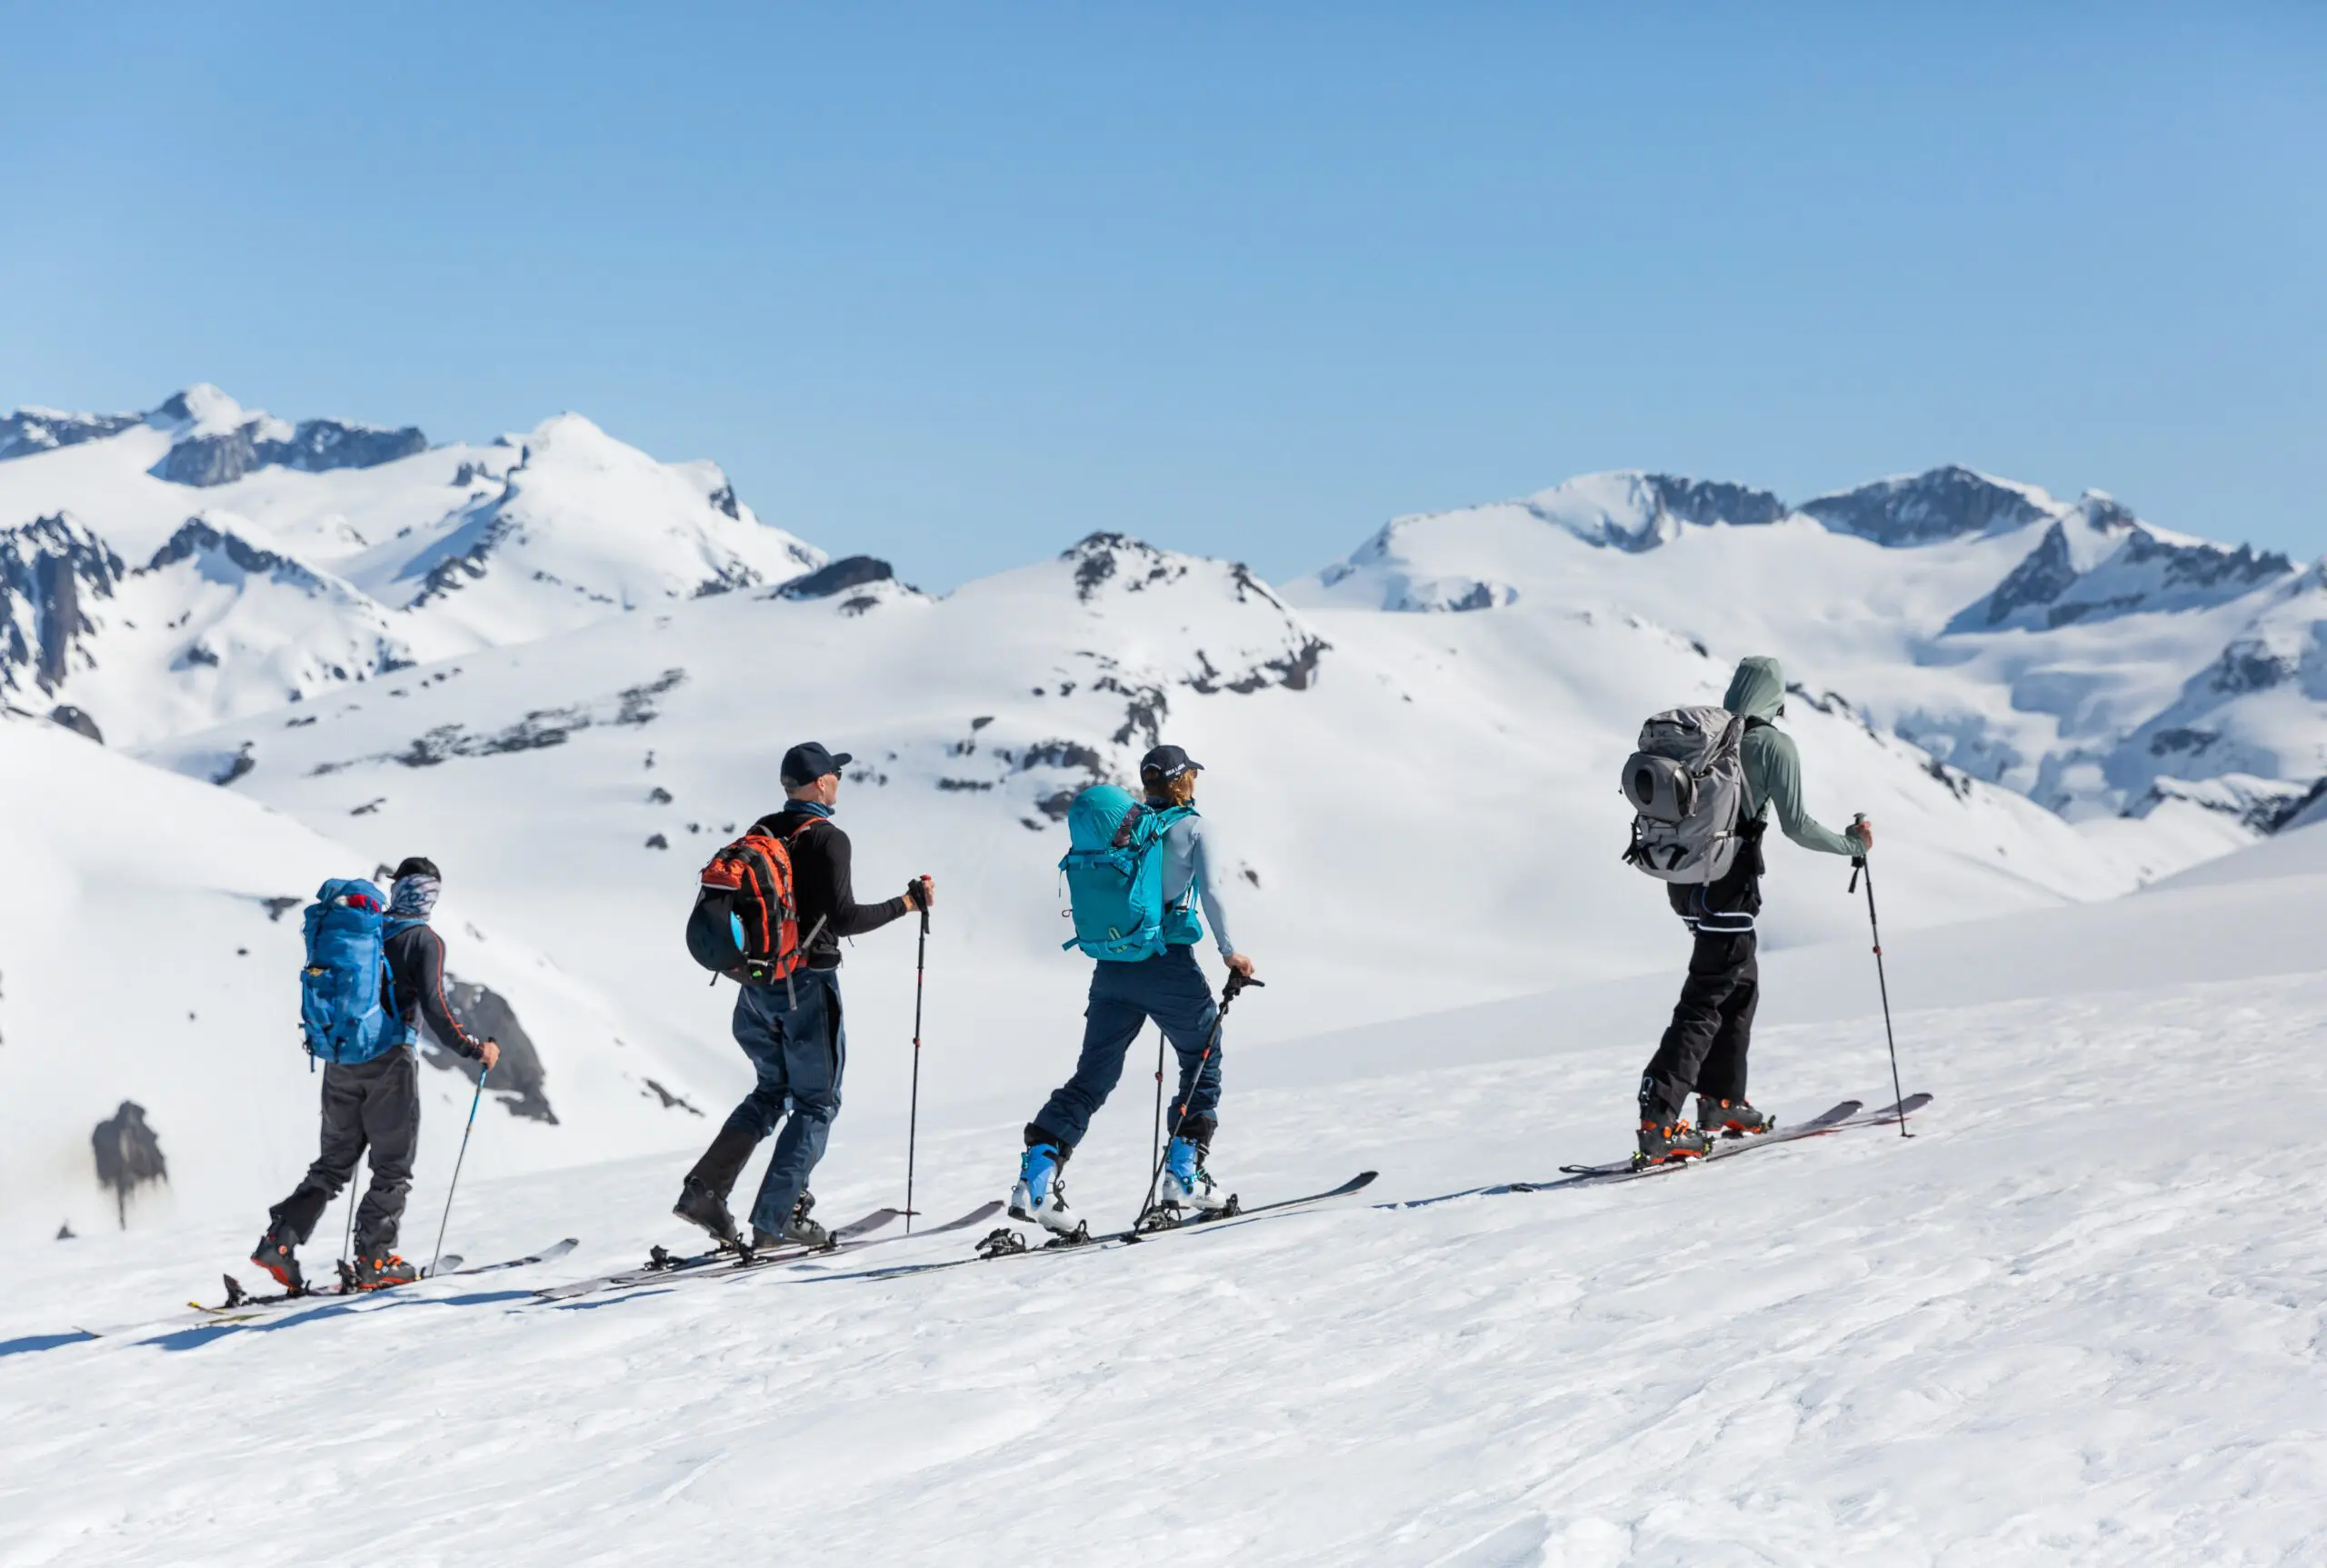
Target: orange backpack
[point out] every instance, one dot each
(745, 923)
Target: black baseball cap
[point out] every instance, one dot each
(808, 762)
(1167, 762)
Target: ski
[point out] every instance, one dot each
(239, 1301)
(1826, 1121)
(850, 1238)
(994, 1247)
(240, 1307)
(452, 1265)
(662, 1264)
(1840, 1118)
(548, 1254)
(811, 1262)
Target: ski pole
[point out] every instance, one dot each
(1859, 868)
(1236, 983)
(348, 1247)
(1156, 1148)
(912, 1117)
(457, 1171)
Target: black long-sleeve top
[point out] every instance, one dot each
(822, 883)
(416, 959)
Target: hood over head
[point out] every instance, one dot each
(1757, 691)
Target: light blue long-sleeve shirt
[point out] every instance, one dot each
(1186, 860)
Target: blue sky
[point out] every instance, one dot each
(958, 284)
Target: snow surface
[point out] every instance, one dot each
(142, 962)
(526, 773)
(2072, 1320)
(2075, 1320)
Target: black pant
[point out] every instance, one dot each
(374, 1105)
(1704, 1046)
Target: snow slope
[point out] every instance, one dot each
(145, 962)
(1495, 871)
(2075, 1320)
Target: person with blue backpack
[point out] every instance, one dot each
(374, 975)
(1135, 871)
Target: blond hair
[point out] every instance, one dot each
(1179, 789)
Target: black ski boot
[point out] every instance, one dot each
(800, 1230)
(376, 1268)
(276, 1254)
(1731, 1118)
(699, 1205)
(1668, 1143)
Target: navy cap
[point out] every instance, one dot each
(808, 762)
(1168, 761)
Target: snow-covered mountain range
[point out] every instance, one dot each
(169, 571)
(2068, 650)
(565, 670)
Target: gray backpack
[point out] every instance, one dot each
(1687, 787)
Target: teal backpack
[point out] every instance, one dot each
(1115, 877)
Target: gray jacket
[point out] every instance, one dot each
(1772, 767)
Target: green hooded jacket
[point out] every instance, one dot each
(1772, 767)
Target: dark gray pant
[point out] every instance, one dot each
(372, 1104)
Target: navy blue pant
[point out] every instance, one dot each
(798, 1046)
(1169, 988)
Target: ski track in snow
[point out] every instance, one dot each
(2077, 1319)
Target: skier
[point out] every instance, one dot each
(792, 1029)
(1705, 1047)
(374, 1101)
(1168, 988)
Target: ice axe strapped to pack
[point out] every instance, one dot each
(745, 923)
(1686, 784)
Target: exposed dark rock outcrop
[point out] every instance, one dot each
(75, 720)
(31, 430)
(198, 536)
(1705, 501)
(129, 1156)
(519, 1079)
(316, 446)
(542, 727)
(2043, 575)
(51, 570)
(849, 572)
(1943, 503)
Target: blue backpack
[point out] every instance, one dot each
(1115, 877)
(343, 1006)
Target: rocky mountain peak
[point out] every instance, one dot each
(1949, 503)
(218, 441)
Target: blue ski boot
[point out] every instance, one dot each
(1187, 1189)
(1039, 1195)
